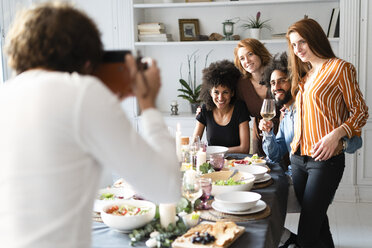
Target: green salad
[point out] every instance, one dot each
(107, 196)
(229, 182)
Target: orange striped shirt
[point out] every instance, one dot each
(333, 99)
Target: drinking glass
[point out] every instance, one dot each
(194, 148)
(206, 184)
(217, 160)
(191, 187)
(268, 111)
(203, 145)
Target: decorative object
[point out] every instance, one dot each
(228, 28)
(255, 33)
(190, 90)
(174, 108)
(255, 24)
(189, 29)
(167, 212)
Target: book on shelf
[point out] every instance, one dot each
(151, 31)
(155, 37)
(334, 24)
(150, 26)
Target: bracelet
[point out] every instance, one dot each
(344, 145)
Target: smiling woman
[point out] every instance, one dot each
(251, 57)
(225, 118)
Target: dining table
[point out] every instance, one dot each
(259, 233)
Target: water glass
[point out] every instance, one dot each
(206, 184)
(217, 160)
(203, 145)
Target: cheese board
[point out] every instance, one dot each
(225, 234)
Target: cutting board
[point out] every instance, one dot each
(186, 243)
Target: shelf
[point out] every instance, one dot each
(221, 4)
(209, 43)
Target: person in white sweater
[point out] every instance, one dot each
(59, 126)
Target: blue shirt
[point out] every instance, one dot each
(275, 147)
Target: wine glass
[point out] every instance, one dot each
(191, 187)
(268, 111)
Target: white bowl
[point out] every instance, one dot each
(260, 162)
(128, 223)
(216, 149)
(223, 175)
(238, 200)
(255, 170)
(118, 194)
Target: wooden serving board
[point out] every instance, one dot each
(186, 243)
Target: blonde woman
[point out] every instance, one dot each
(251, 57)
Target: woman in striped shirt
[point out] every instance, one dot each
(329, 106)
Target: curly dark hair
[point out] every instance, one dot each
(54, 36)
(280, 63)
(220, 73)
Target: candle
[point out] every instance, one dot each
(178, 142)
(201, 158)
(167, 212)
(174, 103)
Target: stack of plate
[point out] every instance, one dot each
(239, 202)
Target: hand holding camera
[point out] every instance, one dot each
(126, 76)
(145, 80)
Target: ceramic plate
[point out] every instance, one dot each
(265, 178)
(261, 205)
(216, 149)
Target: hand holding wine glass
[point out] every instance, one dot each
(268, 111)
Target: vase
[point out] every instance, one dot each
(194, 106)
(255, 33)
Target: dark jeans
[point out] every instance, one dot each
(315, 184)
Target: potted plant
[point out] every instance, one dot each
(190, 90)
(255, 24)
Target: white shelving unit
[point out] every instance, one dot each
(222, 3)
(208, 43)
(170, 55)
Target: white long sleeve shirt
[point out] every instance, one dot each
(57, 130)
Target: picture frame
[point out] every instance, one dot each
(189, 29)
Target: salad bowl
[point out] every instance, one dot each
(241, 181)
(126, 215)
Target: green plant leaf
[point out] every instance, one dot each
(186, 85)
(186, 97)
(187, 92)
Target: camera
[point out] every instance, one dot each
(113, 72)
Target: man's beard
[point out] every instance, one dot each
(287, 98)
